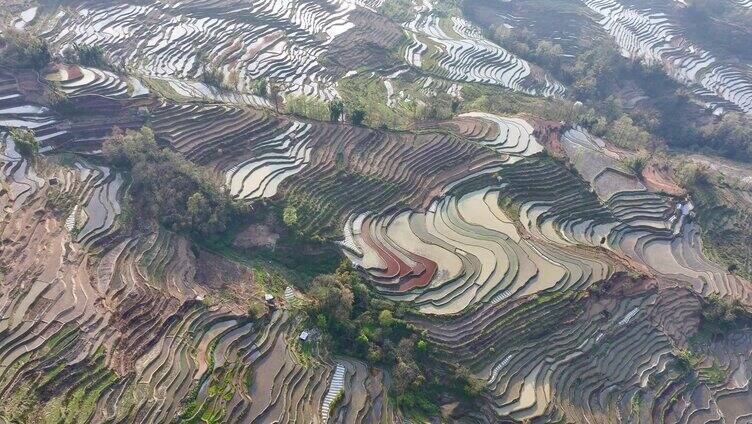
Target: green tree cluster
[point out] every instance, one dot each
(307, 106)
(438, 106)
(364, 103)
(397, 10)
(290, 216)
(523, 42)
(375, 330)
(20, 49)
(90, 55)
(26, 143)
(357, 116)
(721, 315)
(624, 133)
(336, 109)
(730, 136)
(168, 188)
(262, 87)
(692, 176)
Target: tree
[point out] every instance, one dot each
(59, 101)
(201, 58)
(358, 116)
(262, 87)
(336, 107)
(196, 203)
(214, 77)
(625, 133)
(422, 345)
(274, 95)
(635, 164)
(386, 319)
(332, 299)
(89, 55)
(126, 148)
(290, 216)
(408, 375)
(549, 53)
(198, 209)
(26, 142)
(210, 74)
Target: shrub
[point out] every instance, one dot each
(337, 401)
(635, 164)
(470, 385)
(214, 77)
(60, 101)
(26, 142)
(256, 308)
(438, 106)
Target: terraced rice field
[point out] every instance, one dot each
(493, 240)
(461, 253)
(21, 181)
(125, 334)
(17, 111)
(312, 162)
(565, 284)
(575, 364)
(466, 257)
(454, 49)
(650, 33)
(108, 99)
(96, 216)
(557, 22)
(277, 40)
